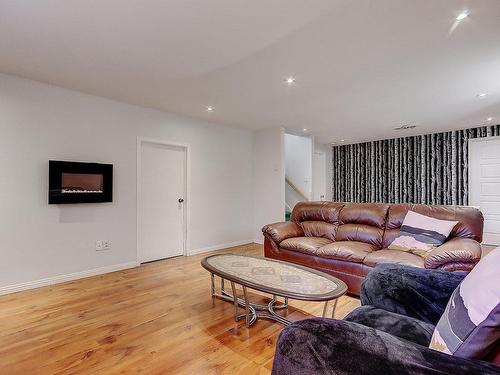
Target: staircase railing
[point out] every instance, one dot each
(296, 189)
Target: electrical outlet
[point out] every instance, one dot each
(99, 245)
(106, 244)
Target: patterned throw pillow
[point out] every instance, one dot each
(470, 325)
(419, 234)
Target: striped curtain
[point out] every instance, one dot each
(429, 169)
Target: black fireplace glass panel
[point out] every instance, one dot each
(78, 182)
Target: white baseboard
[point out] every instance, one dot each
(102, 270)
(62, 278)
(217, 247)
(260, 241)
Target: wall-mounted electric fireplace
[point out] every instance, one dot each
(77, 182)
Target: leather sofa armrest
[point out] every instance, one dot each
(456, 250)
(281, 231)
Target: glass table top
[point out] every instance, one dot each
(286, 279)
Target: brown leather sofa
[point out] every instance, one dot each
(347, 240)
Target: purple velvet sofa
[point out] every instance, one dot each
(388, 334)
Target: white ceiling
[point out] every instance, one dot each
(362, 67)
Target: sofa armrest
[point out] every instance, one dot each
(336, 347)
(456, 250)
(281, 231)
(409, 291)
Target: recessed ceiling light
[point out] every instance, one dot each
(210, 109)
(489, 119)
(462, 16)
(481, 95)
(304, 129)
(342, 140)
(290, 80)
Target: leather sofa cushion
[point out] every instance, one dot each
(319, 229)
(362, 222)
(351, 251)
(360, 233)
(373, 214)
(393, 256)
(317, 211)
(308, 245)
(470, 220)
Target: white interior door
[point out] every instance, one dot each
(484, 184)
(162, 184)
(319, 176)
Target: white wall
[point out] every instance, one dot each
(269, 179)
(39, 122)
(298, 162)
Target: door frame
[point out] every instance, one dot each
(323, 153)
(469, 169)
(187, 193)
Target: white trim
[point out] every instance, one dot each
(218, 247)
(187, 200)
(470, 188)
(313, 182)
(483, 139)
(469, 169)
(260, 241)
(63, 278)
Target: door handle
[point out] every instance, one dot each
(181, 200)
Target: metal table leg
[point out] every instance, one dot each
(334, 307)
(247, 306)
(212, 285)
(252, 311)
(235, 298)
(325, 308)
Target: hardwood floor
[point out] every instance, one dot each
(155, 319)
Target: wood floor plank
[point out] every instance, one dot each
(155, 319)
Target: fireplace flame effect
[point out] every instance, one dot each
(70, 191)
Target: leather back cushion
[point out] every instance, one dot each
(361, 233)
(317, 211)
(363, 222)
(319, 229)
(373, 214)
(470, 219)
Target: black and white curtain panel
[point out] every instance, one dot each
(429, 169)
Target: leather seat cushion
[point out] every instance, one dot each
(393, 256)
(351, 251)
(308, 245)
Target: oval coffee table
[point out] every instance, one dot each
(276, 277)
